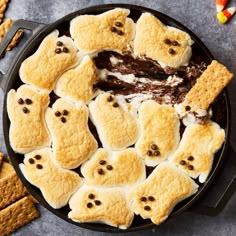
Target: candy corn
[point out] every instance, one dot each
(225, 15)
(220, 5)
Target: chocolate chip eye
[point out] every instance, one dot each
(37, 157)
(57, 113)
(154, 147)
(65, 49)
(38, 166)
(190, 158)
(59, 43)
(143, 199)
(31, 161)
(175, 43)
(109, 167)
(65, 112)
(25, 110)
(89, 204)
(156, 153)
(182, 162)
(113, 29)
(20, 101)
(151, 198)
(149, 153)
(147, 208)
(167, 41)
(97, 202)
(120, 32)
(28, 101)
(91, 196)
(118, 24)
(102, 162)
(57, 50)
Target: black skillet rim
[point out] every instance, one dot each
(13, 74)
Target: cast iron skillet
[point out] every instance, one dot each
(11, 80)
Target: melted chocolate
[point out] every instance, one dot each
(163, 92)
(53, 98)
(127, 64)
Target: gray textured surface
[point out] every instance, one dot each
(198, 16)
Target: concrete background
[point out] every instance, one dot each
(198, 16)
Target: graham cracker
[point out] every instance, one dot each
(32, 198)
(11, 188)
(4, 27)
(17, 215)
(3, 7)
(208, 85)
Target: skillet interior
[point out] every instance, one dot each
(221, 109)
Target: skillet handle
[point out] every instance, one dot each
(214, 201)
(34, 27)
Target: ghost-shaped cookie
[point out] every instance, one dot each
(101, 205)
(111, 169)
(167, 45)
(109, 30)
(156, 197)
(54, 56)
(117, 127)
(72, 141)
(77, 84)
(56, 184)
(26, 111)
(159, 132)
(197, 147)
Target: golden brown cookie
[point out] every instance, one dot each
(26, 110)
(111, 169)
(156, 197)
(77, 84)
(72, 141)
(160, 136)
(54, 56)
(56, 184)
(110, 30)
(116, 126)
(197, 148)
(102, 205)
(169, 46)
